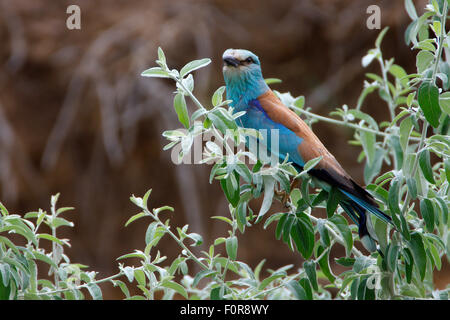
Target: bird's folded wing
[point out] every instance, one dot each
(328, 169)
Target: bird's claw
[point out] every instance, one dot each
(285, 195)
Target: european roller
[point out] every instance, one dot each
(246, 87)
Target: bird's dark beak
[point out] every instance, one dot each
(231, 61)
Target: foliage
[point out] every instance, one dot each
(417, 197)
(414, 191)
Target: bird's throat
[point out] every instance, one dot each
(243, 89)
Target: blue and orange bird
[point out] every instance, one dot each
(246, 87)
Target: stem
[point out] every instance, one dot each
(324, 252)
(191, 95)
(441, 37)
(54, 245)
(391, 104)
(282, 284)
(180, 243)
(81, 286)
(346, 124)
(425, 125)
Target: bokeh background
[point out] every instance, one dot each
(77, 118)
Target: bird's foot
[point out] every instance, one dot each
(285, 195)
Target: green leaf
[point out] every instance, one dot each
(10, 244)
(217, 97)
(412, 187)
(156, 211)
(283, 180)
(129, 273)
(428, 98)
(299, 102)
(179, 104)
(280, 225)
(161, 56)
(175, 286)
(50, 237)
(312, 163)
(427, 211)
(306, 285)
(423, 60)
(241, 215)
(322, 196)
(405, 130)
(410, 99)
(63, 209)
(346, 262)
(45, 259)
(198, 239)
(297, 290)
(287, 227)
(155, 72)
(272, 218)
(202, 274)
(371, 170)
(272, 80)
(150, 233)
(368, 141)
(231, 193)
(394, 141)
(310, 269)
(354, 289)
(269, 280)
(362, 263)
(231, 246)
(324, 236)
(425, 165)
(364, 293)
(443, 207)
(418, 253)
(381, 230)
(444, 102)
(435, 255)
(95, 291)
(411, 9)
(269, 184)
(380, 37)
(244, 172)
(364, 116)
(399, 73)
(341, 223)
(408, 257)
(391, 256)
(123, 287)
(324, 263)
(221, 121)
(217, 293)
(194, 65)
(302, 232)
(5, 274)
(369, 57)
(135, 217)
(333, 201)
(58, 222)
(393, 197)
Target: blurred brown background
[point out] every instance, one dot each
(77, 118)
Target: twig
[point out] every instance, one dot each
(346, 124)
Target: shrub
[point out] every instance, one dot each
(414, 144)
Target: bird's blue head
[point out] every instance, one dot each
(243, 77)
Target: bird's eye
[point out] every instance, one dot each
(249, 60)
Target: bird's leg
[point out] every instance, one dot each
(284, 195)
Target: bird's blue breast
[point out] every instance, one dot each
(257, 118)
